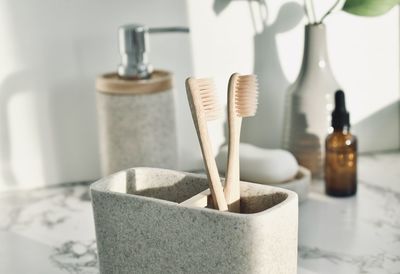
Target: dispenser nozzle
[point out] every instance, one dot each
(133, 47)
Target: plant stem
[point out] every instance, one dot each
(330, 11)
(313, 11)
(307, 13)
(309, 6)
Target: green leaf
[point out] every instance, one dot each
(369, 7)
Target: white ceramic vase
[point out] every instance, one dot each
(309, 103)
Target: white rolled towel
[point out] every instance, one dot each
(259, 165)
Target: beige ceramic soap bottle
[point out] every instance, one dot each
(135, 105)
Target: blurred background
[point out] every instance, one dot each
(52, 51)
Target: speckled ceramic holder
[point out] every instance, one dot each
(146, 223)
(136, 122)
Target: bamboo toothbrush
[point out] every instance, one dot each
(242, 102)
(204, 107)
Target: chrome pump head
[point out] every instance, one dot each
(134, 49)
(133, 41)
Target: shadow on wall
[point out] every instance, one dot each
(379, 131)
(220, 5)
(60, 106)
(265, 129)
(6, 93)
(20, 83)
(61, 118)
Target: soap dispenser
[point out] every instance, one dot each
(136, 113)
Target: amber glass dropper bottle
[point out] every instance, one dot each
(341, 153)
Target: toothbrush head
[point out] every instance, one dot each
(204, 91)
(246, 95)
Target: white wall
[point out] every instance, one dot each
(51, 51)
(364, 54)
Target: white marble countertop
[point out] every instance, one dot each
(51, 230)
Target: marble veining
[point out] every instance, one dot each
(58, 217)
(376, 263)
(76, 257)
(351, 235)
(359, 234)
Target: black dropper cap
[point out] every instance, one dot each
(340, 116)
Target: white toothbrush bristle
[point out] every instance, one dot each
(209, 100)
(246, 95)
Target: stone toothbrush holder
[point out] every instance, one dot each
(152, 220)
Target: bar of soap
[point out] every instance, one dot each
(259, 165)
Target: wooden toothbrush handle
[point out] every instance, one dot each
(232, 183)
(214, 181)
(217, 191)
